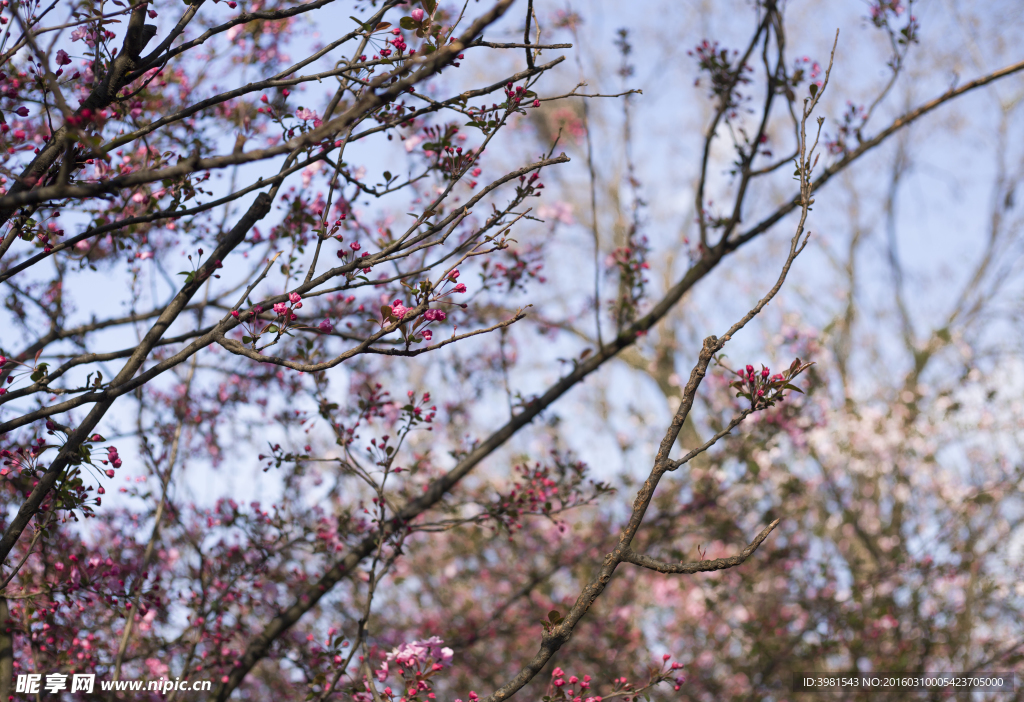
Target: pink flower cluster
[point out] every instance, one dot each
(399, 310)
(281, 308)
(112, 458)
(418, 653)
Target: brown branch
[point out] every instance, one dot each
(370, 101)
(12, 533)
(674, 465)
(116, 389)
(635, 558)
(556, 636)
(137, 35)
(899, 123)
(526, 35)
(237, 348)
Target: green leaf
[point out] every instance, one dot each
(386, 313)
(272, 329)
(387, 175)
(429, 6)
(554, 616)
(408, 23)
(382, 26)
(788, 386)
(246, 339)
(814, 89)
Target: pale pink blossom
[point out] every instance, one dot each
(417, 653)
(399, 310)
(558, 210)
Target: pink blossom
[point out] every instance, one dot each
(427, 335)
(398, 309)
(326, 327)
(417, 15)
(62, 58)
(460, 288)
(434, 315)
(280, 308)
(417, 653)
(561, 211)
(306, 115)
(294, 297)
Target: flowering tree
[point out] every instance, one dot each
(346, 342)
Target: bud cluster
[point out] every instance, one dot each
(762, 388)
